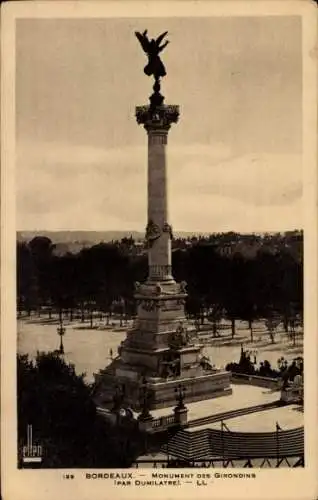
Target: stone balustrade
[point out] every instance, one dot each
(257, 380)
(164, 422)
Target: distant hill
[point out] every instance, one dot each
(92, 237)
(229, 243)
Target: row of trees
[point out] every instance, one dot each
(103, 276)
(228, 242)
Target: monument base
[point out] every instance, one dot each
(162, 392)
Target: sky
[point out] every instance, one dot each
(234, 158)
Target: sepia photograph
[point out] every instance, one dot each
(160, 223)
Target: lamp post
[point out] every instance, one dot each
(145, 418)
(144, 401)
(61, 333)
(180, 395)
(180, 411)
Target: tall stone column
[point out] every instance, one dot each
(160, 347)
(158, 232)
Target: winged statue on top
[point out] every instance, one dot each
(153, 48)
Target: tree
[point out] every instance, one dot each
(241, 282)
(41, 250)
(234, 290)
(193, 305)
(27, 293)
(215, 316)
(58, 404)
(271, 324)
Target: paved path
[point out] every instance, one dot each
(88, 349)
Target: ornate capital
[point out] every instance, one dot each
(157, 119)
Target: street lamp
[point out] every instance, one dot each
(144, 400)
(180, 395)
(61, 333)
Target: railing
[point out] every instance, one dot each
(170, 419)
(257, 380)
(157, 423)
(165, 421)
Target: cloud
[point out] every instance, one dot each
(255, 180)
(77, 187)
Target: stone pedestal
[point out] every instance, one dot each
(181, 415)
(160, 346)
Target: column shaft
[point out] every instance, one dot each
(159, 256)
(157, 179)
(157, 122)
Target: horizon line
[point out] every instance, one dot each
(143, 231)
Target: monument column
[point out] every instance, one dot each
(159, 256)
(157, 122)
(160, 347)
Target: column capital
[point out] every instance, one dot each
(157, 121)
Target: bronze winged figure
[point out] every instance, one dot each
(153, 48)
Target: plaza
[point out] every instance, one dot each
(89, 349)
(249, 409)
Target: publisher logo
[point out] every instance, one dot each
(31, 452)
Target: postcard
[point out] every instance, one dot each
(159, 250)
